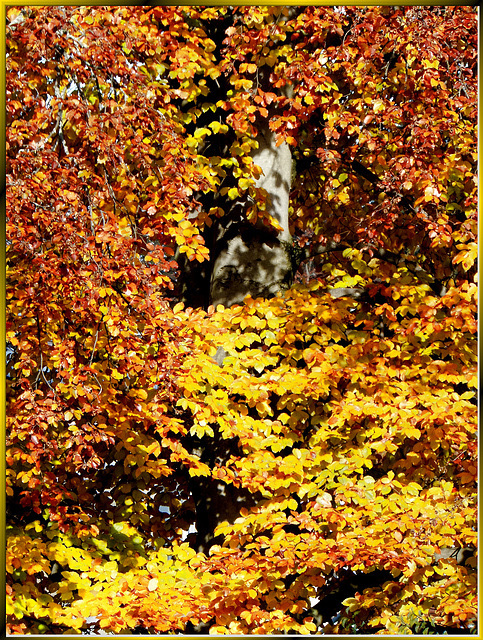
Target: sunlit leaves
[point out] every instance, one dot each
(397, 409)
(345, 407)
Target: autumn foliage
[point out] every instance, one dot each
(349, 420)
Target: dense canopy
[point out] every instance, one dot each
(300, 460)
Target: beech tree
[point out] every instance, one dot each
(241, 320)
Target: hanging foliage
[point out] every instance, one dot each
(339, 426)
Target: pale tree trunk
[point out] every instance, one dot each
(254, 260)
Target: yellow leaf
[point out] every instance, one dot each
(378, 106)
(217, 127)
(309, 355)
(201, 133)
(200, 470)
(324, 500)
(244, 183)
(153, 584)
(263, 409)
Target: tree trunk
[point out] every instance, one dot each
(249, 259)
